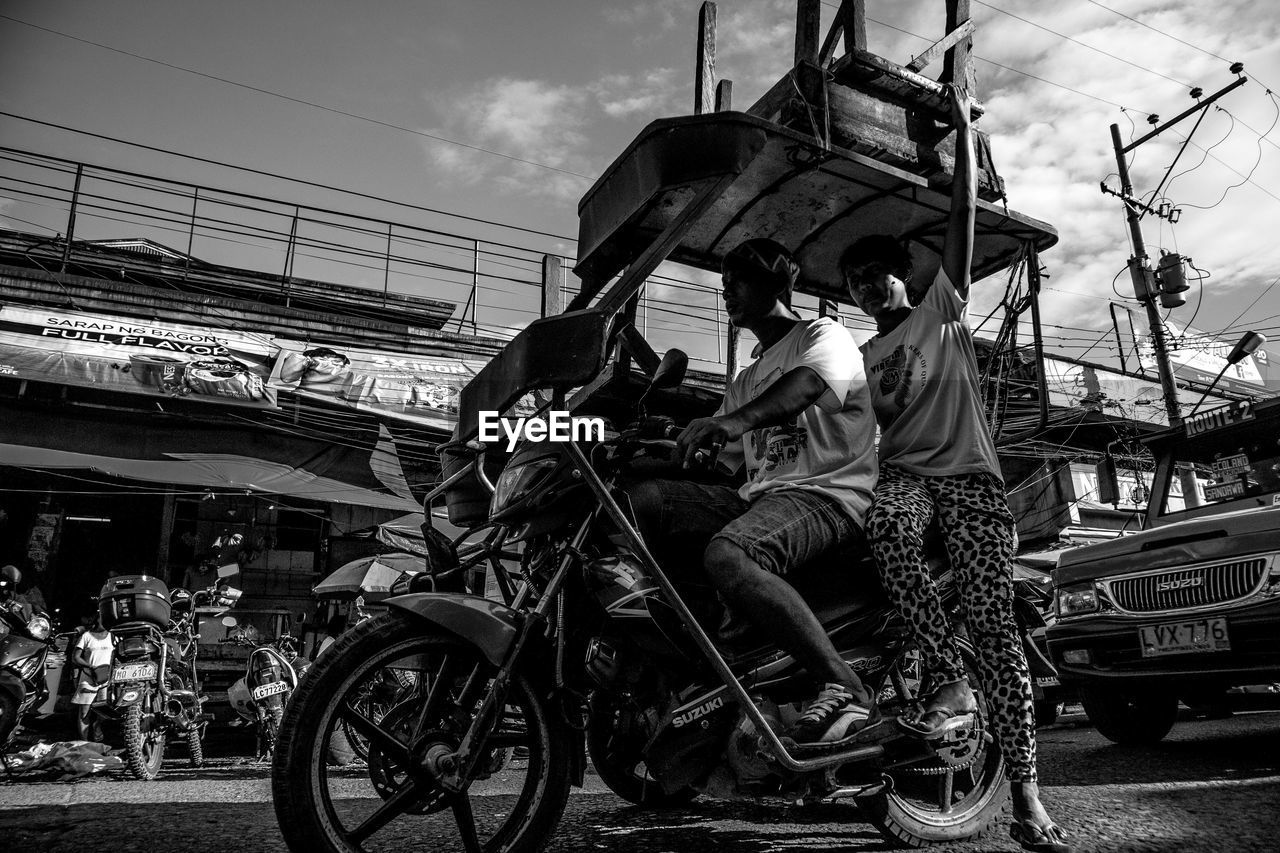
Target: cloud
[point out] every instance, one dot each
(533, 120)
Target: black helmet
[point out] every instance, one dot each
(179, 599)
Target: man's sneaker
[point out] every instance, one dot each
(833, 716)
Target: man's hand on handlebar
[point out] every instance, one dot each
(713, 433)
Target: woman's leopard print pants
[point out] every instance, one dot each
(978, 530)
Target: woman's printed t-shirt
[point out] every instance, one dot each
(830, 446)
(925, 389)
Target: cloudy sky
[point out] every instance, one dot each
(505, 111)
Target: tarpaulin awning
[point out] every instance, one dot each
(153, 358)
(208, 455)
(373, 574)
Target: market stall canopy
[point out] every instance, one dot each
(785, 185)
(164, 451)
(369, 575)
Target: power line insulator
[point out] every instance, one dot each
(1237, 67)
(1196, 92)
(1153, 119)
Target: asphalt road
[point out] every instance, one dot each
(1212, 785)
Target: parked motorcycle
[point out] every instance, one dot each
(600, 653)
(24, 649)
(272, 672)
(154, 688)
(1033, 610)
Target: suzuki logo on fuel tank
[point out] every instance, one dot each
(1181, 583)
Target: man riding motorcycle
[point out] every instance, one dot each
(799, 417)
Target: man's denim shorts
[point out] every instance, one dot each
(780, 530)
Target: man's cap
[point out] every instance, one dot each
(766, 255)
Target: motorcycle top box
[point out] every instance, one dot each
(134, 598)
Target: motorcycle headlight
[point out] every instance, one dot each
(1078, 599)
(517, 481)
(39, 627)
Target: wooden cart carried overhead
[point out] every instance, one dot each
(839, 148)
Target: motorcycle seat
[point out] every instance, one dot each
(841, 588)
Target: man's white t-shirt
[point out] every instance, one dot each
(924, 385)
(830, 446)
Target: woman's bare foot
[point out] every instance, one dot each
(1027, 805)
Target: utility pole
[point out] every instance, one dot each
(1146, 286)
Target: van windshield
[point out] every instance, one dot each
(1224, 467)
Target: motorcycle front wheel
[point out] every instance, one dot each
(394, 802)
(143, 751)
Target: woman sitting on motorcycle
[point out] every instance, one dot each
(937, 457)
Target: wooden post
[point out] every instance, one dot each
(958, 64)
(191, 235)
(552, 285)
(855, 25)
(808, 31)
(287, 276)
(71, 218)
(704, 92)
(386, 269)
(724, 96)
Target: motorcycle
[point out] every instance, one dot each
(1033, 610)
(272, 672)
(600, 654)
(154, 686)
(24, 650)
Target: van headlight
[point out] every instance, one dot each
(1078, 599)
(517, 481)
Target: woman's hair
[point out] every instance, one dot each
(884, 248)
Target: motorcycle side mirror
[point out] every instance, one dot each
(230, 621)
(671, 370)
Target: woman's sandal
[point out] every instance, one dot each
(1039, 839)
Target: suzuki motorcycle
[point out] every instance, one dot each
(602, 653)
(154, 688)
(24, 649)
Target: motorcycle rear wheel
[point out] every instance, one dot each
(933, 803)
(143, 751)
(326, 809)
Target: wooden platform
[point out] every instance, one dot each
(781, 184)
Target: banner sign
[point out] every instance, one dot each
(1200, 357)
(135, 356)
(420, 389)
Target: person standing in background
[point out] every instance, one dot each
(93, 657)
